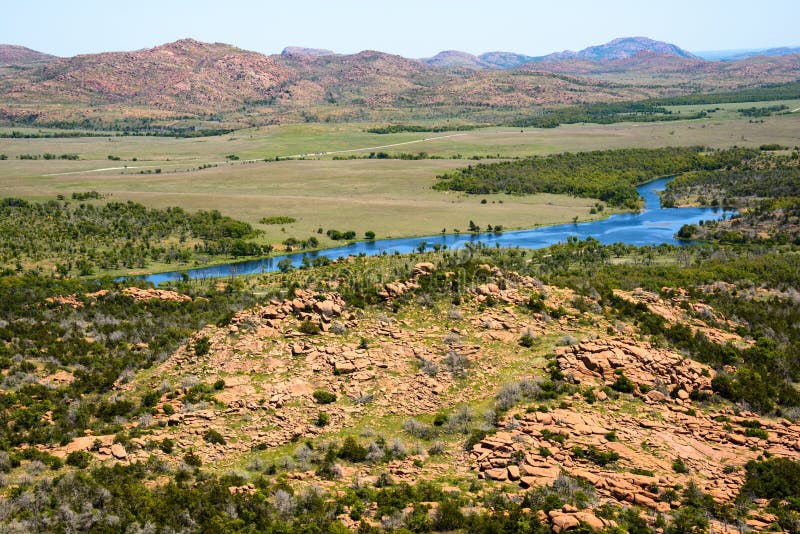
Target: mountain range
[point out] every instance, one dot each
(193, 80)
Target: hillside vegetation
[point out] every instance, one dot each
(442, 392)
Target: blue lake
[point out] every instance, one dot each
(651, 226)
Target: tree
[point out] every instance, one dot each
(285, 265)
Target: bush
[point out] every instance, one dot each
(679, 466)
(167, 446)
(759, 433)
(439, 419)
(79, 459)
(192, 459)
(595, 455)
(323, 419)
(150, 399)
(475, 437)
(353, 451)
(214, 437)
(324, 397)
(526, 340)
(309, 328)
(202, 346)
(418, 430)
(623, 384)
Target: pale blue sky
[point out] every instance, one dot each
(413, 28)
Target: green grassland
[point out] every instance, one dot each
(391, 197)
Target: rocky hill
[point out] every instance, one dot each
(400, 389)
(455, 58)
(303, 51)
(193, 81)
(184, 74)
(505, 60)
(626, 47)
(20, 55)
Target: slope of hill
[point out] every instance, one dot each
(626, 47)
(186, 73)
(505, 60)
(190, 79)
(666, 70)
(193, 81)
(390, 391)
(456, 58)
(20, 55)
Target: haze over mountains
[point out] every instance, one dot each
(192, 79)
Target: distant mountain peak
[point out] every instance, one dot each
(626, 47)
(303, 51)
(505, 60)
(455, 58)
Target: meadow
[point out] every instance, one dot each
(390, 197)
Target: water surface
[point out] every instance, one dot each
(651, 226)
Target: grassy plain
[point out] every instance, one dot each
(390, 197)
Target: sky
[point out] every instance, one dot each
(412, 28)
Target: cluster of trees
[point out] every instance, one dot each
(48, 155)
(603, 113)
(766, 190)
(81, 238)
(400, 128)
(609, 175)
(337, 235)
(654, 109)
(778, 91)
(277, 219)
(768, 176)
(766, 111)
(16, 134)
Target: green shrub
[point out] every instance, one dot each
(679, 466)
(79, 459)
(192, 459)
(623, 384)
(595, 455)
(323, 419)
(324, 397)
(353, 451)
(167, 445)
(309, 328)
(150, 399)
(202, 346)
(213, 437)
(526, 340)
(759, 433)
